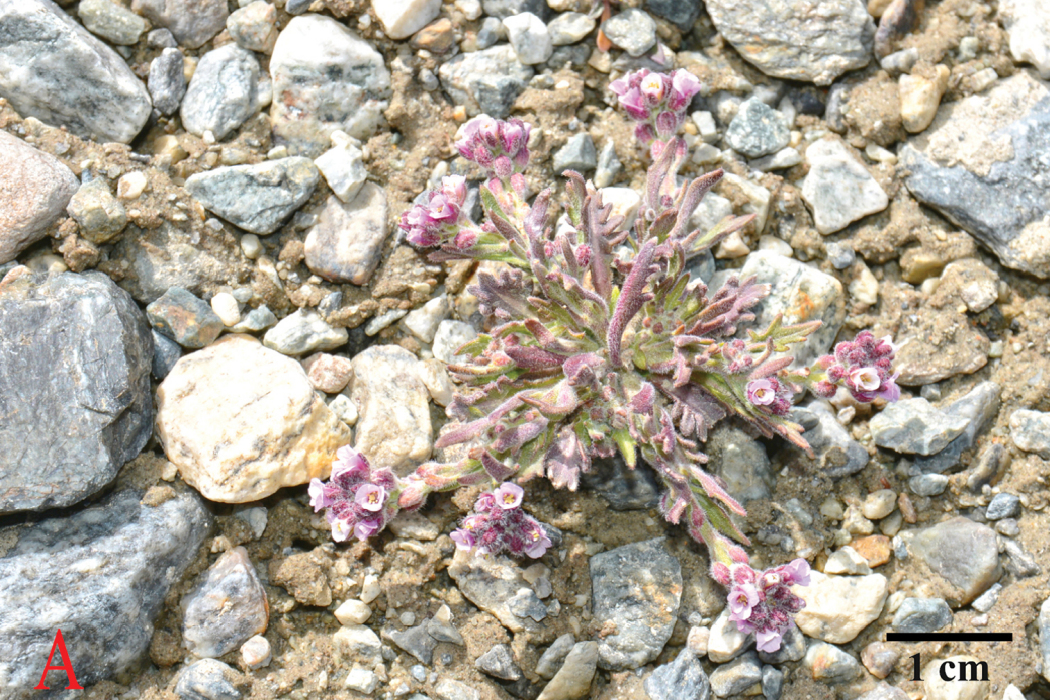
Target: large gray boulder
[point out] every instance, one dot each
(75, 356)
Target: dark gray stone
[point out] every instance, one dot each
(1019, 562)
(638, 588)
(928, 484)
(258, 198)
(736, 676)
(485, 81)
(207, 679)
(680, 12)
(682, 678)
(609, 166)
(922, 615)
(757, 130)
(837, 453)
(1003, 505)
(221, 94)
(191, 22)
(166, 352)
(525, 603)
(489, 33)
(161, 39)
(167, 81)
(624, 488)
(772, 682)
(111, 566)
(964, 553)
(498, 662)
(552, 659)
(959, 167)
(415, 641)
(51, 68)
(914, 426)
(978, 407)
(507, 8)
(75, 356)
(297, 7)
(577, 154)
(840, 254)
(189, 321)
(741, 462)
(226, 608)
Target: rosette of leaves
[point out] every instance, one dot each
(599, 342)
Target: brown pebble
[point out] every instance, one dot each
(874, 548)
(900, 17)
(879, 659)
(436, 37)
(906, 507)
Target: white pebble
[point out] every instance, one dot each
(226, 308)
(353, 612)
(256, 652)
(131, 185)
(251, 246)
(369, 588)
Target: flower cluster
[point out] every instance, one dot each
(762, 602)
(358, 499)
(863, 366)
(657, 101)
(428, 224)
(771, 395)
(499, 146)
(498, 525)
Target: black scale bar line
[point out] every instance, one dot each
(949, 637)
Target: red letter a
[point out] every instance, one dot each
(66, 666)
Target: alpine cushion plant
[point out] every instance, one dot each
(597, 343)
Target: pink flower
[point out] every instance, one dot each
(797, 572)
(317, 497)
(864, 366)
(509, 496)
(370, 497)
(659, 101)
(684, 86)
(463, 538)
(341, 529)
(537, 543)
(496, 145)
(768, 640)
(365, 529)
(866, 378)
(761, 392)
(454, 187)
(741, 600)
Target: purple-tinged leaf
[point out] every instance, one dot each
(693, 194)
(566, 460)
(496, 469)
(513, 438)
(469, 431)
(532, 358)
(632, 298)
(559, 401)
(642, 402)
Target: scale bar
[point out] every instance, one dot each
(949, 637)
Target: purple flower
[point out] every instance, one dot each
(537, 543)
(741, 600)
(365, 529)
(761, 392)
(463, 538)
(496, 145)
(509, 496)
(660, 101)
(796, 572)
(317, 498)
(864, 367)
(768, 640)
(370, 497)
(684, 86)
(341, 529)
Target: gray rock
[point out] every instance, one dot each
(801, 293)
(227, 607)
(325, 78)
(736, 676)
(1044, 636)
(638, 588)
(577, 154)
(798, 41)
(624, 488)
(682, 678)
(111, 21)
(256, 320)
(448, 689)
(161, 39)
(884, 691)
(525, 603)
(680, 12)
(498, 662)
(757, 130)
(75, 355)
(979, 407)
(451, 336)
(344, 169)
(830, 664)
(100, 215)
(840, 254)
(573, 679)
(741, 462)
(1030, 431)
(252, 26)
(609, 166)
(491, 583)
(922, 615)
(984, 164)
(346, 243)
(962, 552)
(1003, 505)
(111, 565)
(507, 8)
(792, 648)
(573, 56)
(781, 160)
(529, 36)
(915, 426)
(51, 68)
(394, 426)
(221, 94)
(167, 81)
(569, 28)
(928, 484)
(258, 198)
(187, 320)
(485, 82)
(415, 641)
(632, 30)
(1019, 562)
(772, 682)
(444, 631)
(838, 189)
(1028, 24)
(297, 7)
(489, 33)
(304, 332)
(207, 679)
(166, 352)
(552, 659)
(191, 22)
(35, 188)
